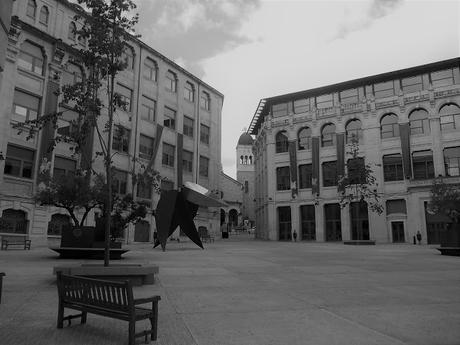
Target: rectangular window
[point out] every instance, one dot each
(280, 109)
(63, 166)
(189, 92)
(283, 178)
(144, 191)
(412, 84)
(305, 176)
(356, 170)
(188, 126)
(126, 96)
(148, 109)
(329, 174)
(19, 162)
(204, 166)
(187, 161)
(150, 70)
(385, 89)
(25, 106)
(119, 181)
(349, 96)
(301, 105)
(452, 161)
(120, 141)
(168, 155)
(442, 78)
(325, 101)
(204, 134)
(67, 123)
(171, 81)
(31, 58)
(169, 119)
(447, 122)
(422, 165)
(146, 145)
(392, 167)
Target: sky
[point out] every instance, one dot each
(253, 49)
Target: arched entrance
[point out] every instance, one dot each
(14, 221)
(142, 231)
(233, 217)
(58, 224)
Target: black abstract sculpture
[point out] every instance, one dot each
(178, 208)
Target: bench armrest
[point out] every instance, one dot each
(146, 300)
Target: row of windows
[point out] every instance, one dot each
(422, 168)
(389, 128)
(245, 160)
(379, 90)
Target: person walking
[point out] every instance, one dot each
(419, 237)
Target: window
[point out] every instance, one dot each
(31, 58)
(301, 105)
(282, 142)
(283, 178)
(355, 168)
(171, 81)
(168, 155)
(412, 84)
(349, 96)
(16, 220)
(121, 139)
(119, 181)
(204, 134)
(392, 167)
(63, 167)
(187, 161)
(44, 15)
(148, 109)
(419, 123)
(442, 78)
(67, 123)
(304, 138)
(127, 56)
(189, 92)
(280, 109)
(305, 176)
(450, 117)
(146, 145)
(396, 206)
(205, 101)
(126, 96)
(150, 69)
(389, 127)
(169, 119)
(188, 126)
(204, 166)
(19, 162)
(385, 89)
(25, 106)
(72, 33)
(325, 101)
(452, 161)
(328, 135)
(81, 41)
(71, 75)
(31, 8)
(353, 131)
(422, 165)
(144, 190)
(329, 174)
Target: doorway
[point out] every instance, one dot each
(284, 223)
(397, 232)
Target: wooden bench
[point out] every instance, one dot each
(22, 241)
(2, 274)
(107, 298)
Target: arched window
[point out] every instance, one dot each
(14, 221)
(450, 117)
(31, 8)
(282, 142)
(44, 15)
(31, 58)
(150, 69)
(304, 138)
(205, 101)
(171, 81)
(353, 131)
(328, 135)
(418, 121)
(241, 159)
(127, 57)
(189, 91)
(250, 159)
(389, 127)
(71, 34)
(245, 159)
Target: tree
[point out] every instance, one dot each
(445, 199)
(105, 30)
(359, 183)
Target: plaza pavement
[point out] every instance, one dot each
(243, 292)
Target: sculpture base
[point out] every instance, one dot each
(88, 253)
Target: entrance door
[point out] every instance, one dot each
(359, 221)
(142, 231)
(397, 231)
(332, 222)
(307, 216)
(284, 223)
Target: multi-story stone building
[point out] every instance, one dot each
(232, 195)
(160, 95)
(245, 175)
(408, 125)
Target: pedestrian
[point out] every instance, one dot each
(294, 234)
(419, 237)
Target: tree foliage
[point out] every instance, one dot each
(445, 199)
(359, 183)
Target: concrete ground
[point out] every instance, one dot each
(240, 291)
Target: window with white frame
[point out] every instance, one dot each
(150, 69)
(148, 107)
(168, 155)
(25, 106)
(31, 58)
(169, 118)
(189, 92)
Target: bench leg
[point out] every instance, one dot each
(83, 317)
(60, 320)
(154, 321)
(132, 332)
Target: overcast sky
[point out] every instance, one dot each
(252, 49)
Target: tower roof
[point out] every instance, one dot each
(245, 139)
